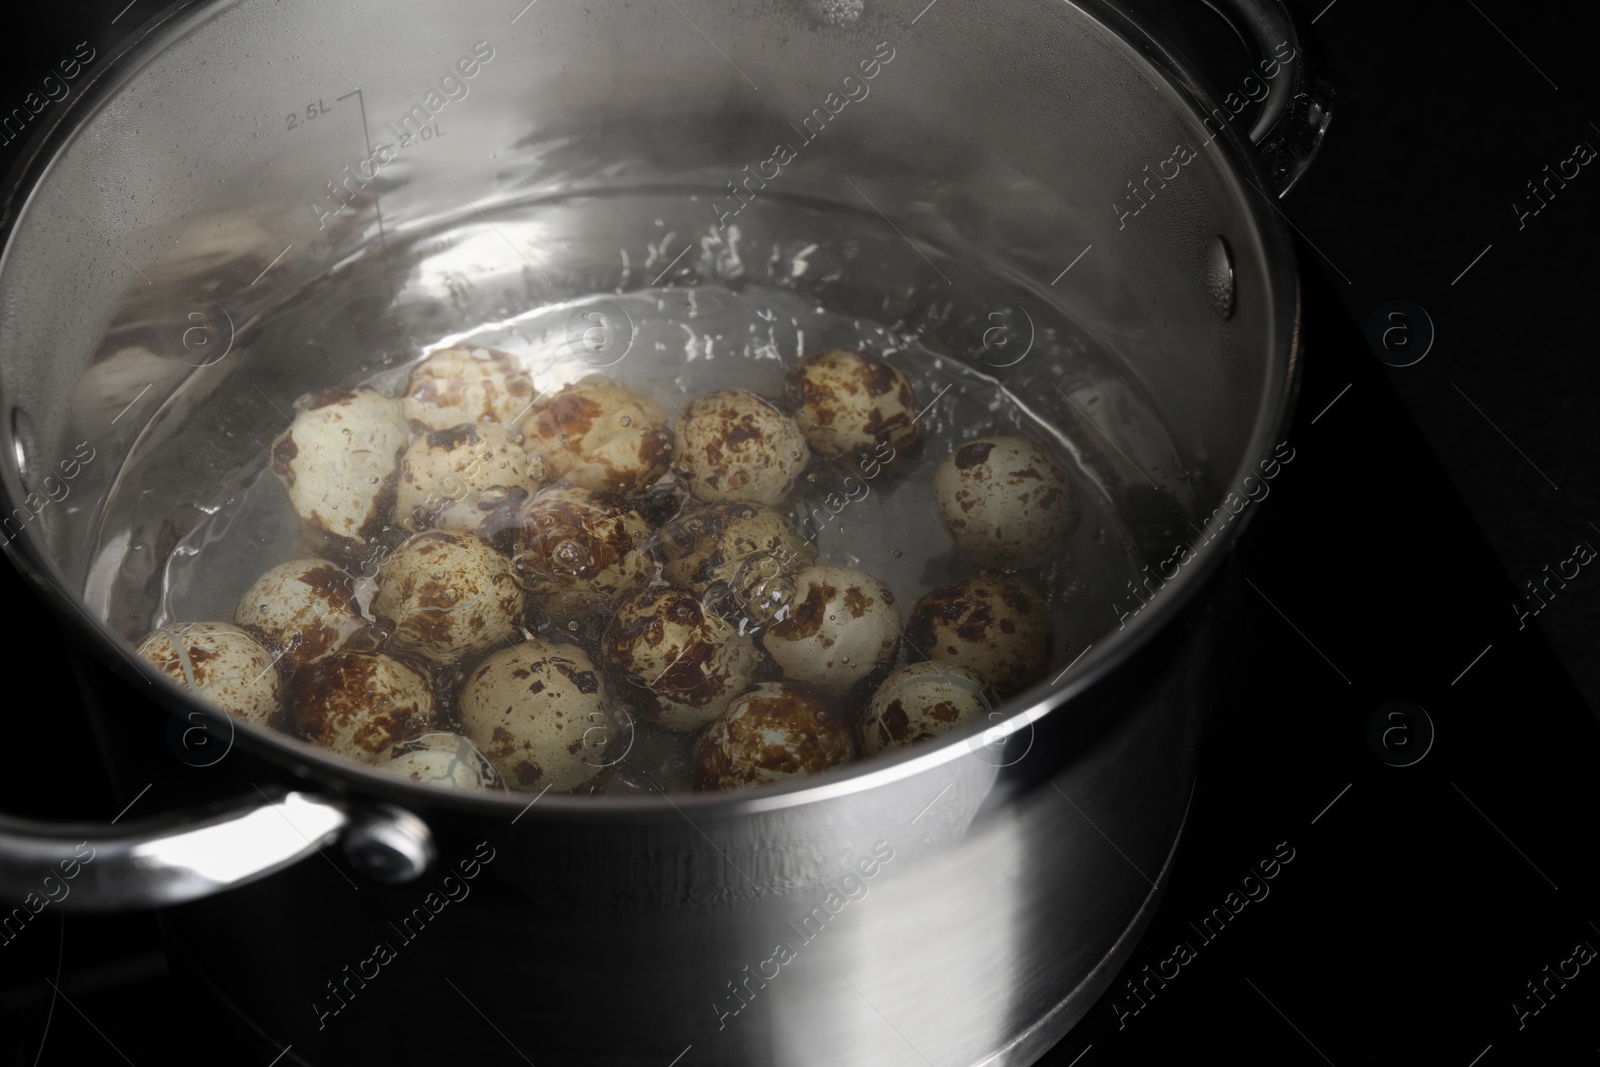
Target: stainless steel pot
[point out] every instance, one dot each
(961, 902)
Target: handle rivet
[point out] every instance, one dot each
(389, 845)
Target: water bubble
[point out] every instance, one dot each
(570, 555)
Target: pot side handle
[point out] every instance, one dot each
(180, 857)
(1297, 109)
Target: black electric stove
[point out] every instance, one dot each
(1388, 857)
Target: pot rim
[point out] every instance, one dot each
(1141, 46)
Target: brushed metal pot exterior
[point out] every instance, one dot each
(981, 939)
(961, 902)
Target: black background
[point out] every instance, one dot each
(1387, 558)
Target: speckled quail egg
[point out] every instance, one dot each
(304, 610)
(748, 552)
(596, 434)
(1006, 500)
(339, 461)
(920, 701)
(849, 404)
(359, 703)
(704, 544)
(469, 477)
(735, 445)
(443, 759)
(221, 664)
(685, 664)
(447, 595)
(578, 550)
(842, 627)
(457, 385)
(997, 628)
(776, 732)
(541, 713)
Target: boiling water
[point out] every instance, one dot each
(686, 310)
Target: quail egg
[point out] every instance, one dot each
(776, 732)
(359, 703)
(222, 665)
(447, 595)
(457, 385)
(339, 461)
(849, 404)
(707, 544)
(443, 759)
(921, 701)
(735, 445)
(304, 610)
(744, 557)
(686, 664)
(1006, 501)
(541, 713)
(469, 477)
(842, 627)
(596, 434)
(997, 628)
(578, 550)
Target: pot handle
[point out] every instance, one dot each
(1297, 109)
(175, 858)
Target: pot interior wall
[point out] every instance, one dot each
(1005, 147)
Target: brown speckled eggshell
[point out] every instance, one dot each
(442, 759)
(1006, 501)
(472, 384)
(578, 550)
(685, 664)
(448, 596)
(777, 732)
(735, 445)
(842, 629)
(339, 461)
(469, 477)
(847, 403)
(305, 611)
(541, 713)
(596, 434)
(921, 701)
(359, 703)
(995, 627)
(222, 664)
(707, 544)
